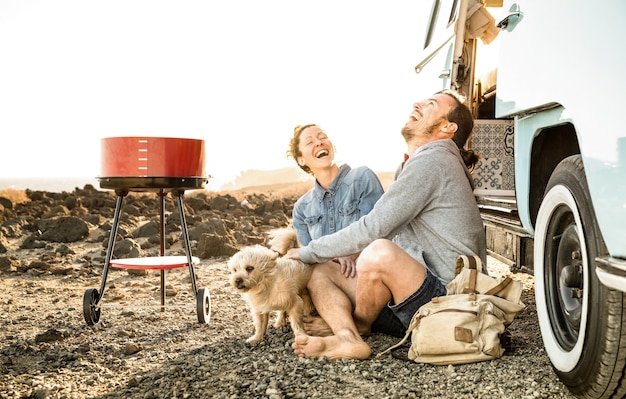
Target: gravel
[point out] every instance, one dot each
(47, 350)
(139, 351)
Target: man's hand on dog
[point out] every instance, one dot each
(292, 254)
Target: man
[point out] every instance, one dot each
(409, 241)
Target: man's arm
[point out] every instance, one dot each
(403, 201)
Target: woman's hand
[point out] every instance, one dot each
(347, 265)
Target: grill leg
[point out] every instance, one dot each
(162, 241)
(183, 222)
(116, 219)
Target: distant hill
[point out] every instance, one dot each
(253, 177)
(258, 180)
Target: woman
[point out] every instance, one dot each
(341, 195)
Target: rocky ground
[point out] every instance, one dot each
(52, 248)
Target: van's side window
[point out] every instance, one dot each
(435, 22)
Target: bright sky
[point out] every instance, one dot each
(239, 74)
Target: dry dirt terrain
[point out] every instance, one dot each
(137, 350)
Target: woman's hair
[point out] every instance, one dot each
(294, 146)
(462, 116)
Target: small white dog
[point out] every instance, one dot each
(269, 283)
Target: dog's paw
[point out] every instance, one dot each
(280, 324)
(255, 339)
(281, 320)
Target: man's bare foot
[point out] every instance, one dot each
(316, 326)
(344, 345)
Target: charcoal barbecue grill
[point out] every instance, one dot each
(151, 164)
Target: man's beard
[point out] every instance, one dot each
(408, 133)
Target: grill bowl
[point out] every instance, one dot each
(138, 163)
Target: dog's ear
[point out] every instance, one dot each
(232, 262)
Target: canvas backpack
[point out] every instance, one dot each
(466, 325)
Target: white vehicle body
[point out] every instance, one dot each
(544, 79)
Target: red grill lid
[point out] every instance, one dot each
(152, 157)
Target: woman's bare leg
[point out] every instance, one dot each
(332, 295)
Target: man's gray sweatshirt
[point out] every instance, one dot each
(429, 211)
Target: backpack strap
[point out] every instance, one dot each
(415, 321)
(501, 286)
(472, 265)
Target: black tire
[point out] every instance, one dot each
(203, 305)
(581, 320)
(91, 313)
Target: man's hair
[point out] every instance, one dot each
(462, 116)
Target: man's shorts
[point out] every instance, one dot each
(395, 318)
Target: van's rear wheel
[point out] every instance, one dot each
(581, 320)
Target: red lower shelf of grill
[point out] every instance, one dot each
(154, 262)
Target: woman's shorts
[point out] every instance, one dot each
(395, 318)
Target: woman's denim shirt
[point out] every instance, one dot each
(351, 195)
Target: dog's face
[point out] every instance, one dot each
(250, 266)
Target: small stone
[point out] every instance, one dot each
(51, 335)
(131, 348)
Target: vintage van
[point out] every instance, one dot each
(544, 80)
